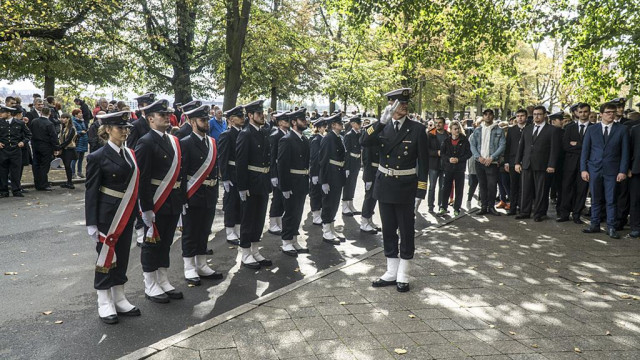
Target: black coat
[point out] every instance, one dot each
(314, 155)
(154, 156)
(513, 141)
(95, 142)
(274, 139)
(67, 138)
(105, 168)
(14, 133)
(43, 134)
(140, 128)
(353, 151)
(227, 153)
(542, 153)
(635, 150)
(87, 115)
(331, 148)
(184, 131)
(370, 158)
(462, 151)
(434, 145)
(194, 153)
(293, 153)
(252, 148)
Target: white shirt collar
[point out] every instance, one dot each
(401, 121)
(582, 123)
(115, 147)
(159, 132)
(235, 127)
(607, 126)
(199, 137)
(256, 127)
(540, 126)
(297, 133)
(283, 131)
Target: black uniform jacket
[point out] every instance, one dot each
(462, 151)
(353, 149)
(252, 149)
(12, 134)
(140, 128)
(227, 153)
(573, 152)
(274, 138)
(194, 153)
(370, 157)
(293, 153)
(43, 134)
(331, 148)
(184, 131)
(541, 153)
(513, 141)
(314, 155)
(406, 149)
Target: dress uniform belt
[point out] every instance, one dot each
(357, 156)
(158, 182)
(114, 193)
(375, 165)
(336, 163)
(396, 172)
(299, 171)
(208, 182)
(232, 163)
(264, 170)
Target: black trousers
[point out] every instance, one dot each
(41, 164)
(277, 203)
(436, 177)
(293, 208)
(535, 192)
(488, 182)
(398, 217)
(315, 196)
(349, 188)
(196, 226)
(622, 204)
(369, 203)
(574, 194)
(451, 177)
(154, 256)
(514, 189)
(67, 156)
(634, 206)
(117, 275)
(330, 203)
(232, 207)
(10, 168)
(473, 184)
(254, 211)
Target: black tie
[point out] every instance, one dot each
(397, 126)
(204, 142)
(165, 138)
(606, 134)
(581, 131)
(535, 133)
(123, 158)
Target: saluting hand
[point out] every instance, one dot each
(274, 182)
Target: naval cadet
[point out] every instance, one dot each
(158, 155)
(293, 174)
(370, 157)
(332, 177)
(231, 203)
(315, 191)
(253, 157)
(277, 202)
(351, 165)
(14, 136)
(200, 186)
(186, 128)
(400, 185)
(110, 203)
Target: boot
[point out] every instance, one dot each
(298, 247)
(163, 282)
(328, 236)
(106, 307)
(274, 229)
(288, 249)
(248, 260)
(255, 251)
(373, 225)
(336, 233)
(123, 306)
(152, 290)
(403, 275)
(203, 269)
(317, 218)
(365, 226)
(232, 237)
(353, 208)
(190, 272)
(346, 211)
(389, 277)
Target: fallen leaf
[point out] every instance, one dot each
(500, 267)
(501, 284)
(608, 333)
(400, 351)
(23, 251)
(492, 326)
(535, 346)
(232, 247)
(512, 333)
(432, 274)
(11, 273)
(48, 312)
(583, 290)
(190, 285)
(60, 231)
(15, 215)
(343, 303)
(577, 350)
(625, 296)
(58, 322)
(74, 254)
(412, 316)
(635, 273)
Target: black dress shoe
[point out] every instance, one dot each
(111, 319)
(234, 242)
(494, 212)
(18, 194)
(161, 299)
(613, 234)
(4, 195)
(272, 233)
(24, 191)
(215, 276)
(193, 281)
(383, 283)
(45, 189)
(349, 214)
(523, 216)
(591, 230)
(539, 218)
(369, 231)
(133, 312)
(138, 244)
(635, 234)
(64, 186)
(302, 251)
(174, 294)
(482, 212)
(291, 253)
(562, 219)
(209, 252)
(252, 265)
(332, 241)
(402, 287)
(578, 221)
(265, 262)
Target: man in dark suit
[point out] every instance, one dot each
(186, 129)
(231, 203)
(293, 175)
(45, 145)
(574, 189)
(14, 136)
(537, 156)
(604, 163)
(277, 202)
(351, 165)
(332, 177)
(634, 182)
(513, 141)
(401, 184)
(158, 156)
(253, 157)
(36, 112)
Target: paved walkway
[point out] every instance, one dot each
(482, 288)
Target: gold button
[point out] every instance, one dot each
(387, 156)
(114, 175)
(165, 156)
(382, 145)
(398, 156)
(258, 145)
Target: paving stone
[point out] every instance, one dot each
(318, 333)
(377, 354)
(611, 355)
(458, 336)
(369, 318)
(337, 356)
(207, 341)
(303, 312)
(360, 308)
(328, 346)
(176, 353)
(279, 325)
(427, 338)
(492, 357)
(293, 350)
(392, 341)
(310, 322)
(220, 354)
(477, 347)
(511, 347)
(362, 342)
(285, 337)
(445, 351)
(489, 335)
(527, 357)
(443, 324)
(430, 314)
(383, 328)
(263, 351)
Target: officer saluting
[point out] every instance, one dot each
(200, 184)
(315, 191)
(231, 203)
(253, 157)
(110, 203)
(370, 156)
(277, 202)
(351, 165)
(332, 177)
(399, 184)
(293, 172)
(158, 155)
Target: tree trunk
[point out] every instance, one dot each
(451, 101)
(505, 108)
(332, 102)
(49, 85)
(181, 79)
(182, 85)
(420, 86)
(274, 97)
(236, 32)
(478, 105)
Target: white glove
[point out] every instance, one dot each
(418, 201)
(148, 218)
(287, 194)
(388, 112)
(314, 180)
(325, 188)
(274, 182)
(244, 194)
(92, 230)
(367, 185)
(184, 209)
(347, 172)
(227, 184)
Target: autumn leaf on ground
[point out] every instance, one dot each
(400, 351)
(58, 322)
(512, 332)
(48, 312)
(412, 316)
(577, 350)
(11, 273)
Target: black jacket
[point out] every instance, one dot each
(314, 155)
(572, 153)
(14, 133)
(184, 131)
(331, 148)
(513, 141)
(635, 150)
(43, 134)
(353, 151)
(87, 115)
(293, 153)
(435, 160)
(370, 158)
(252, 149)
(541, 153)
(274, 139)
(95, 142)
(194, 153)
(140, 128)
(66, 139)
(227, 153)
(462, 151)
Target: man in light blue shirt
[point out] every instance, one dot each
(217, 124)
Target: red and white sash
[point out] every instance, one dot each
(107, 257)
(205, 169)
(165, 187)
